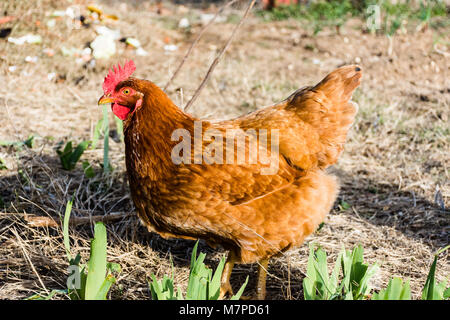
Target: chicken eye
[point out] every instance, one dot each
(126, 91)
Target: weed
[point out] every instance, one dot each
(3, 164)
(86, 282)
(354, 285)
(88, 170)
(29, 142)
(396, 290)
(202, 284)
(354, 282)
(70, 156)
(433, 290)
(102, 127)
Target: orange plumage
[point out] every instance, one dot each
(234, 204)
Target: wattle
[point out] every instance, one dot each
(120, 111)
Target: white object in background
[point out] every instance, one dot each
(103, 47)
(207, 17)
(51, 23)
(184, 23)
(105, 31)
(170, 47)
(29, 38)
(51, 76)
(31, 59)
(133, 42)
(141, 52)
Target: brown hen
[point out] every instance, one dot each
(255, 185)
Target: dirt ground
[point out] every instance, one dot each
(394, 172)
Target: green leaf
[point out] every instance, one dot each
(238, 295)
(164, 290)
(29, 142)
(155, 289)
(396, 290)
(346, 269)
(3, 164)
(97, 262)
(97, 132)
(104, 288)
(88, 170)
(113, 267)
(428, 292)
(106, 164)
(66, 229)
(363, 286)
(179, 294)
(320, 226)
(40, 296)
(69, 157)
(406, 291)
(321, 267)
(76, 154)
(333, 283)
(431, 290)
(19, 144)
(202, 284)
(309, 291)
(193, 255)
(64, 155)
(214, 286)
(344, 206)
(447, 293)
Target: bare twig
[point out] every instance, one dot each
(40, 221)
(103, 218)
(217, 59)
(196, 41)
(27, 257)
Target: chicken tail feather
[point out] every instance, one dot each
(339, 85)
(327, 109)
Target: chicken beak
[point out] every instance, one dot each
(106, 98)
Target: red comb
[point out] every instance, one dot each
(117, 75)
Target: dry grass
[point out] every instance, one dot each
(393, 171)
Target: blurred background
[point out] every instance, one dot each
(394, 171)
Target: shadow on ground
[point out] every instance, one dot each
(41, 187)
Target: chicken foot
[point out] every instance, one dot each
(225, 286)
(226, 289)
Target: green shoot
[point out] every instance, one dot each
(106, 164)
(433, 290)
(354, 283)
(3, 164)
(70, 156)
(29, 142)
(88, 170)
(202, 284)
(91, 282)
(396, 290)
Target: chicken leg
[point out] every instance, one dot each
(225, 286)
(262, 275)
(226, 289)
